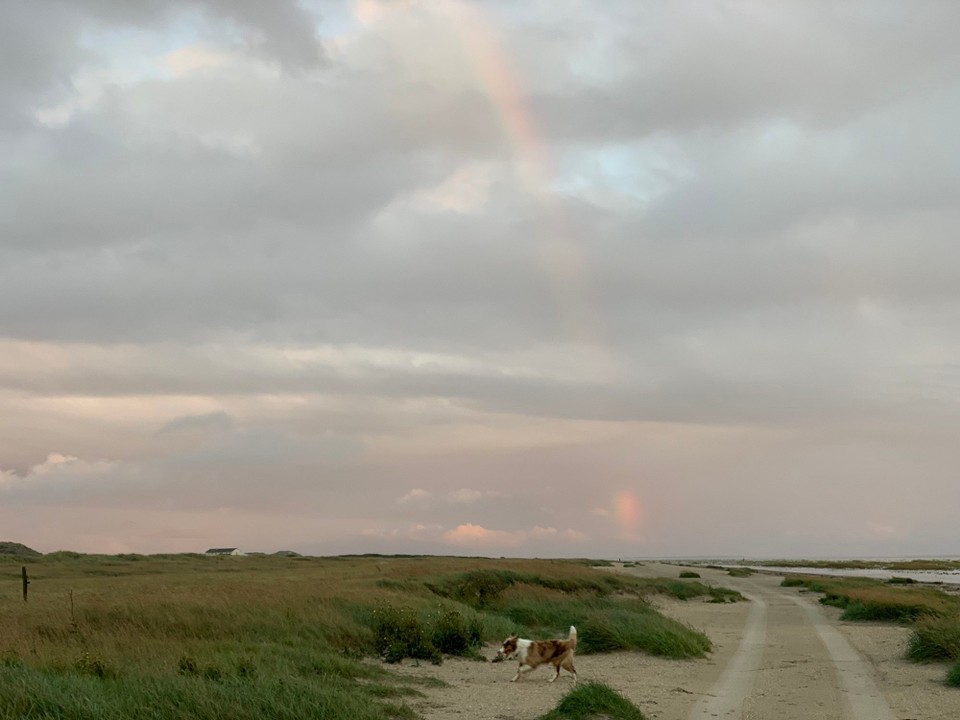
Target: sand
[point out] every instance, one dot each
(780, 656)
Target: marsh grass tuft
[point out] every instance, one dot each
(793, 582)
(935, 640)
(589, 701)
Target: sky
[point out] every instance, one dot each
(555, 278)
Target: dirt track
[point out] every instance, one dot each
(781, 656)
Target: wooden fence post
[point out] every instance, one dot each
(23, 572)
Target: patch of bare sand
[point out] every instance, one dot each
(913, 690)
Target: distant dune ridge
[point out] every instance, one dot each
(14, 548)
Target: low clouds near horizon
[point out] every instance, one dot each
(553, 279)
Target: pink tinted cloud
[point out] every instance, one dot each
(477, 536)
(471, 535)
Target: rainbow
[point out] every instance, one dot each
(629, 513)
(561, 257)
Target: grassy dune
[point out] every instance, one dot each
(275, 637)
(933, 615)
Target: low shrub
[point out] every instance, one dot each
(689, 574)
(455, 635)
(901, 581)
(398, 634)
(793, 582)
(740, 572)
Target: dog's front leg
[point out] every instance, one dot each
(520, 671)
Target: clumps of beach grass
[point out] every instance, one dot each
(935, 640)
(740, 572)
(639, 628)
(590, 701)
(689, 574)
(690, 590)
(866, 599)
(611, 612)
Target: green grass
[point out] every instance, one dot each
(689, 574)
(47, 693)
(740, 572)
(138, 636)
(591, 701)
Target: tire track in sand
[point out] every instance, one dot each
(864, 698)
(860, 697)
(725, 699)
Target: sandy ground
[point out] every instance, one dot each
(780, 656)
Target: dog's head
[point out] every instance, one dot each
(507, 649)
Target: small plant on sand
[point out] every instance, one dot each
(91, 664)
(953, 677)
(740, 572)
(594, 700)
(689, 574)
(793, 582)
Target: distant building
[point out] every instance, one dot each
(224, 551)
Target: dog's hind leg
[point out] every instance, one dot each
(567, 665)
(557, 668)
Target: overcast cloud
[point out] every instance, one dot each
(548, 278)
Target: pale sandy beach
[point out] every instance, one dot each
(782, 655)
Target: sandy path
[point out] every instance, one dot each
(727, 696)
(780, 656)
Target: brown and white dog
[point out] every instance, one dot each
(534, 653)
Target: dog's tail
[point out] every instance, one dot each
(573, 637)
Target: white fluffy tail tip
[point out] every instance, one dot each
(573, 631)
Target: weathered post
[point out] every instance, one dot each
(23, 572)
